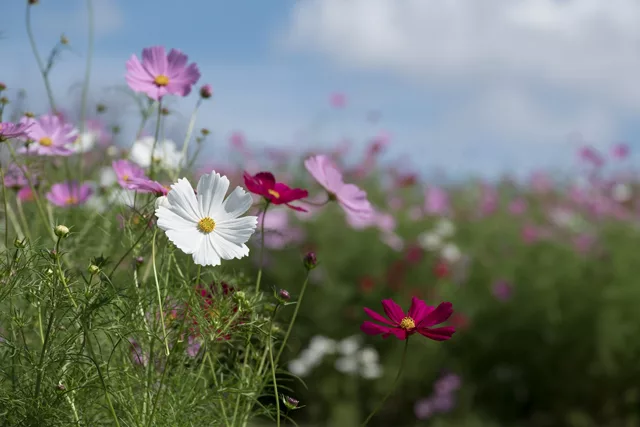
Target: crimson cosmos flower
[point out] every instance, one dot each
(420, 318)
(264, 184)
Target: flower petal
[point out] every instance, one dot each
(375, 316)
(437, 334)
(187, 240)
(227, 249)
(439, 315)
(211, 191)
(371, 328)
(206, 253)
(237, 203)
(393, 310)
(419, 309)
(183, 200)
(238, 230)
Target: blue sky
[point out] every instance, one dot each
(464, 88)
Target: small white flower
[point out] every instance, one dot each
(299, 368)
(208, 226)
(621, 193)
(321, 344)
(349, 346)
(84, 143)
(347, 365)
(368, 355)
(112, 151)
(107, 177)
(371, 372)
(430, 241)
(166, 153)
(445, 228)
(451, 253)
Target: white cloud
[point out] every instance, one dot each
(588, 45)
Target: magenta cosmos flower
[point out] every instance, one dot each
(51, 136)
(125, 171)
(420, 318)
(160, 74)
(10, 130)
(351, 198)
(69, 193)
(264, 184)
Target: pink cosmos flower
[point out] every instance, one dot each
(143, 184)
(420, 318)
(125, 171)
(10, 130)
(160, 74)
(518, 206)
(69, 193)
(50, 135)
(264, 184)
(502, 290)
(352, 199)
(338, 100)
(591, 155)
(436, 201)
(620, 151)
(15, 177)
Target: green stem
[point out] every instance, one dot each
(6, 210)
(42, 354)
(36, 54)
(393, 386)
(187, 138)
(293, 318)
(273, 368)
(215, 382)
(155, 139)
(87, 77)
(259, 278)
(61, 274)
(155, 277)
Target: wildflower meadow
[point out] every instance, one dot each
(145, 283)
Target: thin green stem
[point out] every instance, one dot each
(187, 138)
(259, 278)
(36, 54)
(42, 354)
(273, 368)
(6, 210)
(393, 386)
(155, 277)
(61, 274)
(87, 77)
(155, 139)
(293, 318)
(215, 381)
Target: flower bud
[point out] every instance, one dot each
(139, 260)
(4, 100)
(165, 111)
(61, 231)
(93, 269)
(20, 244)
(310, 261)
(290, 402)
(33, 2)
(29, 114)
(205, 131)
(101, 108)
(64, 40)
(283, 295)
(206, 91)
(2, 86)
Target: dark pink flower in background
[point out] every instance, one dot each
(145, 185)
(125, 171)
(352, 199)
(25, 194)
(69, 193)
(160, 74)
(517, 207)
(591, 156)
(238, 141)
(620, 151)
(10, 130)
(338, 100)
(420, 318)
(51, 136)
(502, 290)
(436, 201)
(264, 184)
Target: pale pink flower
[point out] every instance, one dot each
(352, 199)
(518, 206)
(338, 100)
(160, 74)
(620, 151)
(69, 193)
(125, 171)
(51, 136)
(436, 201)
(278, 232)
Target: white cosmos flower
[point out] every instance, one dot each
(84, 143)
(207, 226)
(166, 153)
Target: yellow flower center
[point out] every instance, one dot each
(274, 193)
(407, 324)
(206, 225)
(125, 177)
(161, 80)
(46, 141)
(71, 200)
